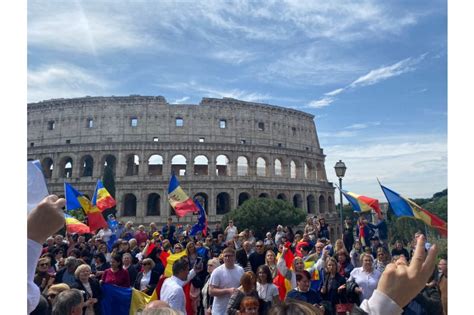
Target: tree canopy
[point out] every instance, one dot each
(263, 214)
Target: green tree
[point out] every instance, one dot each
(108, 180)
(263, 214)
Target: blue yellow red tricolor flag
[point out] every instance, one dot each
(283, 284)
(123, 301)
(361, 203)
(73, 225)
(404, 207)
(178, 199)
(102, 198)
(77, 200)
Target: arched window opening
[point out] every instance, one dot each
(331, 205)
(222, 203)
(311, 204)
(153, 204)
(130, 205)
(87, 166)
(133, 163)
(109, 161)
(298, 201)
(155, 165)
(243, 197)
(322, 204)
(47, 165)
(292, 169)
(66, 167)
(278, 170)
(201, 165)
(264, 195)
(178, 165)
(281, 197)
(261, 167)
(203, 199)
(242, 166)
(222, 165)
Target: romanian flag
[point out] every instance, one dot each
(178, 199)
(361, 203)
(73, 225)
(123, 301)
(404, 207)
(76, 200)
(170, 262)
(283, 284)
(102, 198)
(201, 225)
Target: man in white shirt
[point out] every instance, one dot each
(224, 281)
(172, 290)
(230, 231)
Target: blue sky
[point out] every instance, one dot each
(374, 73)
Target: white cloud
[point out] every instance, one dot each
(384, 73)
(335, 92)
(323, 102)
(407, 164)
(64, 80)
(181, 100)
(233, 56)
(363, 125)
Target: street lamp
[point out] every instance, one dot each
(340, 169)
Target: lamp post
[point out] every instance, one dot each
(340, 169)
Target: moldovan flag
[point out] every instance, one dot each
(201, 225)
(283, 284)
(404, 207)
(76, 200)
(73, 225)
(178, 199)
(361, 203)
(102, 198)
(170, 262)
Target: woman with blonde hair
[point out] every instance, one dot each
(247, 287)
(270, 261)
(43, 278)
(338, 245)
(366, 277)
(147, 279)
(91, 287)
(382, 259)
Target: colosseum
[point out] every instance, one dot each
(224, 151)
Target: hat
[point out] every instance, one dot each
(155, 234)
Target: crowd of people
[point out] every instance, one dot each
(232, 272)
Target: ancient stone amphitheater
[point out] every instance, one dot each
(223, 150)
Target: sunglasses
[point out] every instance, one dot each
(146, 264)
(43, 264)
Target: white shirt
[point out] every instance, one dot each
(145, 280)
(172, 293)
(222, 278)
(231, 231)
(33, 292)
(267, 291)
(380, 304)
(366, 281)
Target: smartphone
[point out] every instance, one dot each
(198, 262)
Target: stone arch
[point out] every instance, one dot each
(222, 203)
(222, 165)
(65, 167)
(242, 166)
(201, 165)
(155, 165)
(311, 204)
(133, 163)
(298, 201)
(178, 165)
(282, 196)
(292, 169)
(264, 195)
(262, 166)
(109, 160)
(322, 204)
(87, 164)
(47, 165)
(129, 205)
(243, 196)
(203, 199)
(278, 168)
(153, 204)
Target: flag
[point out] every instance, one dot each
(123, 301)
(404, 207)
(283, 284)
(112, 224)
(201, 225)
(102, 198)
(178, 199)
(73, 225)
(76, 200)
(37, 189)
(361, 203)
(170, 262)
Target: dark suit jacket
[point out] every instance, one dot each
(96, 293)
(155, 276)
